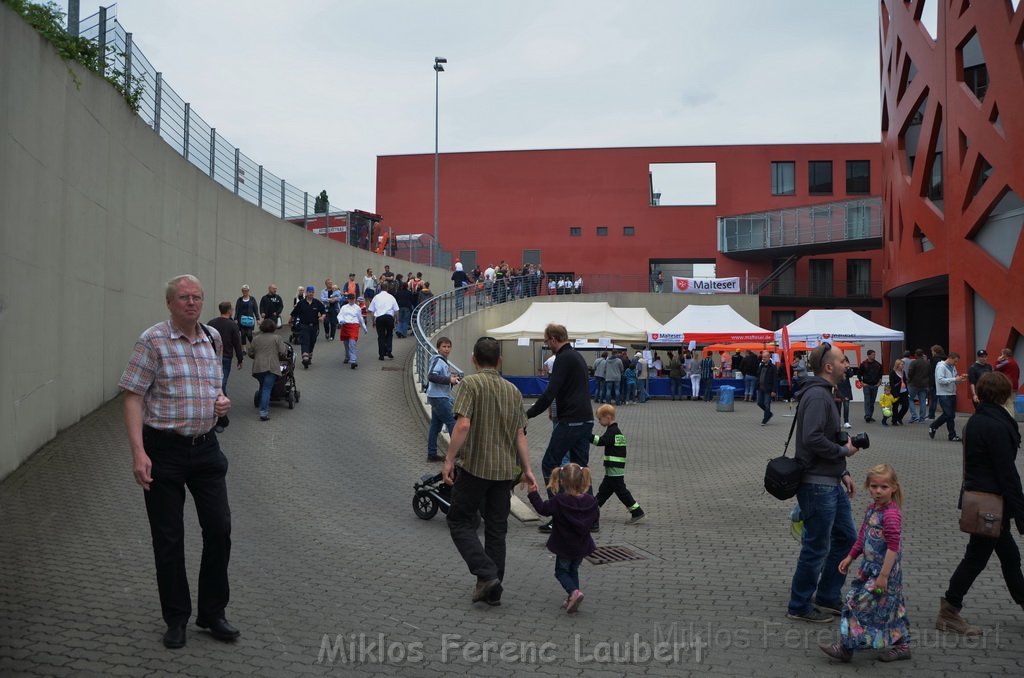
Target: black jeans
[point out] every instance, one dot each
(616, 485)
(331, 324)
(471, 497)
(979, 549)
(201, 469)
(307, 336)
(567, 438)
(385, 325)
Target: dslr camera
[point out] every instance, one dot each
(859, 440)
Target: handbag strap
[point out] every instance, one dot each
(792, 427)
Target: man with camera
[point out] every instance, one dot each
(825, 490)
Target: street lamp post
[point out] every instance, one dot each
(437, 73)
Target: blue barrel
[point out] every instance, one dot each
(1018, 408)
(726, 396)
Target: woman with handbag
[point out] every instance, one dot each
(991, 439)
(246, 312)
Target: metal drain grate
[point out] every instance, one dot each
(613, 554)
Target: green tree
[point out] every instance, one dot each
(322, 203)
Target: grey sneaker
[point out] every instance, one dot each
(834, 610)
(814, 615)
(636, 518)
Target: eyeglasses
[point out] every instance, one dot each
(195, 298)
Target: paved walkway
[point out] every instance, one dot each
(333, 573)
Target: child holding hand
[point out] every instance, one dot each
(875, 614)
(886, 401)
(573, 512)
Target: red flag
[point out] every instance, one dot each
(785, 352)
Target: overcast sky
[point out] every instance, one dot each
(315, 90)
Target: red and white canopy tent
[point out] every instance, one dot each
(709, 324)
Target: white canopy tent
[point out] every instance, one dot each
(840, 324)
(708, 324)
(583, 320)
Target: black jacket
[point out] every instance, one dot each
(767, 377)
(569, 388)
(870, 372)
(991, 439)
(748, 365)
(817, 428)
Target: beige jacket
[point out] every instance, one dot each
(267, 351)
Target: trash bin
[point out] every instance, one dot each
(726, 396)
(1018, 408)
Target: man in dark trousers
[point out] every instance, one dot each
(307, 314)
(981, 366)
(231, 337)
(569, 388)
(767, 383)
(172, 400)
(870, 373)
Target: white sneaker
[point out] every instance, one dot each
(847, 425)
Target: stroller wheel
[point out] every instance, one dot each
(424, 506)
(291, 400)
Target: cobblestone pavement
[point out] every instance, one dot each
(333, 573)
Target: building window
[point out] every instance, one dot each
(782, 318)
(935, 178)
(602, 230)
(575, 231)
(784, 178)
(821, 277)
(819, 177)
(858, 176)
(531, 257)
(629, 230)
(976, 78)
(858, 277)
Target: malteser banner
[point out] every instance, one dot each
(706, 285)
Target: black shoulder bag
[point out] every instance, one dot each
(783, 474)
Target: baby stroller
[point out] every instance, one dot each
(295, 337)
(284, 388)
(431, 493)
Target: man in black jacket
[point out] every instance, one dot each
(272, 305)
(824, 494)
(569, 388)
(767, 383)
(870, 373)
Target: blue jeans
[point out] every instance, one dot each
(933, 402)
(567, 572)
(921, 394)
(611, 389)
(267, 380)
(676, 387)
(441, 414)
(226, 369)
(749, 385)
(828, 535)
(948, 405)
(870, 396)
(764, 401)
(599, 389)
(573, 438)
(404, 318)
(645, 390)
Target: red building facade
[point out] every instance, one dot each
(953, 174)
(593, 213)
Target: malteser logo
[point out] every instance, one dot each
(682, 284)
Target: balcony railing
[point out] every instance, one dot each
(828, 223)
(825, 289)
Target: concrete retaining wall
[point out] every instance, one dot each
(96, 213)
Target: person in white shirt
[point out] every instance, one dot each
(384, 308)
(489, 282)
(350, 318)
(369, 285)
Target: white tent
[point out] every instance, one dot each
(583, 320)
(708, 324)
(840, 324)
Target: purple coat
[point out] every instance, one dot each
(572, 518)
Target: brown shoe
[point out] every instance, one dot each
(484, 587)
(895, 653)
(837, 651)
(949, 619)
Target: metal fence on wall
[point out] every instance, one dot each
(201, 144)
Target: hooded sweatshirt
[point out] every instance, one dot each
(817, 428)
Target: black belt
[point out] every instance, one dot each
(178, 439)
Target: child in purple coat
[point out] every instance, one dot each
(573, 512)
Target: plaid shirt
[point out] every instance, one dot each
(494, 408)
(178, 379)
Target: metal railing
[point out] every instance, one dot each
(439, 310)
(827, 289)
(845, 221)
(174, 119)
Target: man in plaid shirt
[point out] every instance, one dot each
(172, 399)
